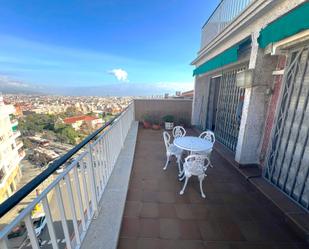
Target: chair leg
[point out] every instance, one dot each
(181, 177)
(184, 186)
(201, 178)
(210, 164)
(167, 161)
(179, 164)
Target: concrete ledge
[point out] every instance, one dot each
(104, 230)
(294, 215)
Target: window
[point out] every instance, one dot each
(2, 174)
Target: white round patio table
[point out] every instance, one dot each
(192, 144)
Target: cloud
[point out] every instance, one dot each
(7, 81)
(10, 85)
(120, 74)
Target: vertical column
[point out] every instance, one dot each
(255, 105)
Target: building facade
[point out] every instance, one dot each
(252, 87)
(77, 121)
(11, 152)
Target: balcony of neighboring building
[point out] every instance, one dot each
(2, 175)
(19, 144)
(21, 154)
(116, 195)
(16, 134)
(225, 13)
(14, 124)
(234, 22)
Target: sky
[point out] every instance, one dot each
(106, 44)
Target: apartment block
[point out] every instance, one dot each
(11, 152)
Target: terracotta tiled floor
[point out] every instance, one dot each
(233, 215)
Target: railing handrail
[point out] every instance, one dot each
(212, 14)
(13, 200)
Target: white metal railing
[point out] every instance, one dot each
(75, 193)
(223, 15)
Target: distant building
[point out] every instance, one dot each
(39, 141)
(43, 155)
(178, 93)
(188, 94)
(77, 121)
(18, 110)
(11, 152)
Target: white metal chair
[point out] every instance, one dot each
(178, 131)
(171, 150)
(195, 165)
(210, 136)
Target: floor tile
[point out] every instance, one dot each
(149, 228)
(149, 210)
(169, 228)
(130, 227)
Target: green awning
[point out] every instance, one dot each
(291, 23)
(228, 56)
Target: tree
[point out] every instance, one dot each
(66, 133)
(36, 123)
(72, 111)
(27, 143)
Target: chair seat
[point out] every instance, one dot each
(175, 150)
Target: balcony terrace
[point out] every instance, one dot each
(116, 195)
(233, 215)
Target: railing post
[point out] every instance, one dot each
(63, 217)
(4, 243)
(93, 187)
(121, 132)
(31, 233)
(133, 110)
(49, 221)
(72, 206)
(85, 189)
(79, 197)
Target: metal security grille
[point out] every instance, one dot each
(210, 105)
(227, 125)
(287, 162)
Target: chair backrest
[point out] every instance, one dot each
(198, 161)
(179, 131)
(167, 139)
(208, 135)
